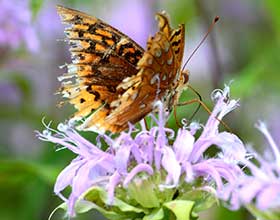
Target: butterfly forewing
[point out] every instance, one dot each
(115, 80)
(102, 57)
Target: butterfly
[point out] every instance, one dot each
(112, 81)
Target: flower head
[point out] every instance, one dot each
(260, 188)
(151, 168)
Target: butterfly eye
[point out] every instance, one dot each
(185, 76)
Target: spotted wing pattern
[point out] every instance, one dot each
(101, 58)
(112, 80)
(157, 79)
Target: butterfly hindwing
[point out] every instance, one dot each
(159, 68)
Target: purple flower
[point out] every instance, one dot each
(261, 187)
(157, 160)
(16, 27)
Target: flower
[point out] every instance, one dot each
(151, 169)
(260, 188)
(16, 27)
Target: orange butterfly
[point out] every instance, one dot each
(112, 80)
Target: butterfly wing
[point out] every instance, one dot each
(101, 58)
(159, 72)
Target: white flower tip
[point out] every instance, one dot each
(195, 126)
(227, 88)
(46, 133)
(185, 122)
(73, 122)
(261, 126)
(62, 127)
(234, 103)
(158, 104)
(218, 94)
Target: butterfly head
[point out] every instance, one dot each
(184, 77)
(172, 96)
(182, 83)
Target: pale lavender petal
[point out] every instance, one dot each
(189, 172)
(137, 153)
(144, 148)
(229, 172)
(223, 106)
(200, 146)
(81, 181)
(114, 180)
(122, 157)
(249, 190)
(139, 168)
(172, 166)
(262, 127)
(232, 147)
(183, 145)
(205, 169)
(269, 197)
(71, 205)
(66, 175)
(194, 127)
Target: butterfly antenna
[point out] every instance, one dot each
(215, 20)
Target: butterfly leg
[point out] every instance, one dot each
(175, 116)
(146, 124)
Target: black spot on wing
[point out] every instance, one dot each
(176, 33)
(95, 93)
(176, 43)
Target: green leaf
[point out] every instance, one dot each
(143, 192)
(96, 199)
(203, 200)
(182, 209)
(157, 214)
(99, 197)
(83, 206)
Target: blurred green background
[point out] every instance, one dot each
(244, 47)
